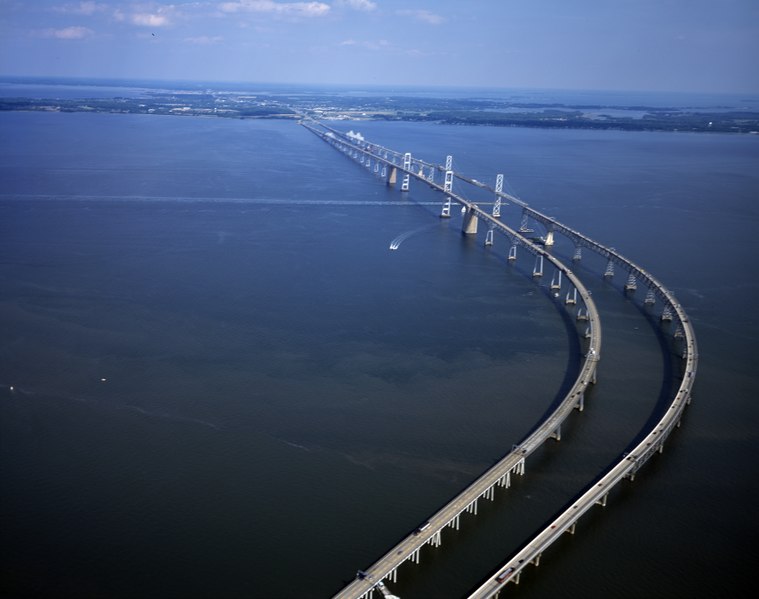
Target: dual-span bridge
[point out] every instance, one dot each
(389, 164)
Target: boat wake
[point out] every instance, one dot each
(396, 243)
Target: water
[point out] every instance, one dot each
(285, 397)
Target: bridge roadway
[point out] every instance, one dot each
(628, 465)
(513, 462)
(598, 492)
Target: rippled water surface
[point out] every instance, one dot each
(226, 384)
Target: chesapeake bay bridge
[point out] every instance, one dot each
(394, 166)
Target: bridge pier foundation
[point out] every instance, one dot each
(469, 226)
(393, 177)
(549, 239)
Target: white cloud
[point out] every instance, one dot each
(366, 5)
(292, 9)
(145, 19)
(67, 33)
(368, 44)
(424, 16)
(204, 40)
(87, 8)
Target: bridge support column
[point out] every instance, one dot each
(578, 254)
(650, 298)
(602, 501)
(469, 226)
(571, 529)
(557, 433)
(556, 280)
(393, 177)
(513, 253)
(571, 297)
(489, 237)
(609, 272)
(538, 270)
(631, 284)
(536, 561)
(666, 314)
(580, 405)
(549, 238)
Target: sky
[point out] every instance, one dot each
(637, 45)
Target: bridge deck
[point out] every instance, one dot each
(409, 547)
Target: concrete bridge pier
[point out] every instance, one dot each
(571, 298)
(631, 284)
(580, 405)
(469, 227)
(513, 252)
(556, 280)
(489, 236)
(549, 241)
(392, 178)
(537, 271)
(609, 272)
(578, 254)
(650, 298)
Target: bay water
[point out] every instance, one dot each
(217, 379)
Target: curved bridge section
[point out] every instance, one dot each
(389, 163)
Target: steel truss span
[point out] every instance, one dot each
(388, 164)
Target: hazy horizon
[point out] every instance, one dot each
(693, 46)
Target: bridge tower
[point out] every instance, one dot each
(447, 188)
(406, 175)
(498, 191)
(525, 226)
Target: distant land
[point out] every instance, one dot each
(331, 104)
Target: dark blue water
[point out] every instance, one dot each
(226, 385)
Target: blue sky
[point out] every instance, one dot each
(660, 45)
